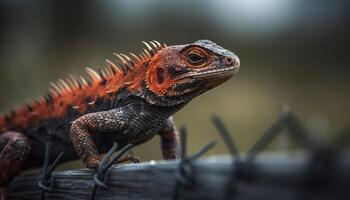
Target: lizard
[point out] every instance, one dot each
(128, 101)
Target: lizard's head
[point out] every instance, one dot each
(179, 73)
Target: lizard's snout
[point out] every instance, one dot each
(233, 61)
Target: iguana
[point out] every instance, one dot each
(129, 102)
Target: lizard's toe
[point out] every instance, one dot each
(93, 162)
(134, 159)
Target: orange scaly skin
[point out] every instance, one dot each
(128, 103)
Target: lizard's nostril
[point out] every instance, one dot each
(229, 61)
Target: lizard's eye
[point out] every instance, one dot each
(196, 57)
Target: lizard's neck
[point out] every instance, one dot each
(164, 101)
(156, 106)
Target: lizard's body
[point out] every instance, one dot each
(128, 104)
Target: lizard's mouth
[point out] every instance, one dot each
(227, 71)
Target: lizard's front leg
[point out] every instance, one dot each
(82, 130)
(170, 143)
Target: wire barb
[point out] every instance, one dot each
(232, 147)
(46, 182)
(245, 169)
(101, 176)
(295, 130)
(185, 173)
(236, 159)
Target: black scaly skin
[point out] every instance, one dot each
(135, 122)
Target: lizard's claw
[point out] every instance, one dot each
(128, 157)
(93, 162)
(135, 159)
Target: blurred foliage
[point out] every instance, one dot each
(291, 51)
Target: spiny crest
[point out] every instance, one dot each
(70, 84)
(125, 64)
(123, 67)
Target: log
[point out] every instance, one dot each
(271, 176)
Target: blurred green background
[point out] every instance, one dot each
(291, 51)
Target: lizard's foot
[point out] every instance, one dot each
(93, 162)
(106, 163)
(128, 157)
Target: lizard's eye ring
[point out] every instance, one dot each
(196, 57)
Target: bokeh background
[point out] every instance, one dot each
(291, 51)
